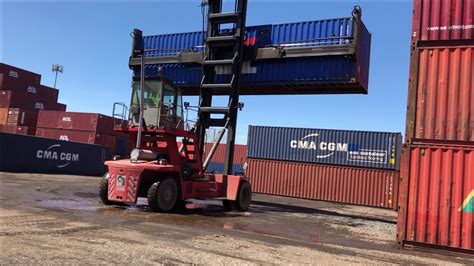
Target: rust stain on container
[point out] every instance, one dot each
(437, 199)
(352, 185)
(441, 20)
(444, 95)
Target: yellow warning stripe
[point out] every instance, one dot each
(466, 201)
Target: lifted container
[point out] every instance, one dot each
(312, 57)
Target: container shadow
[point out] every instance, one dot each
(263, 206)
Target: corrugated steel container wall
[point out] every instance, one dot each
(72, 121)
(439, 197)
(22, 117)
(218, 168)
(339, 147)
(20, 130)
(27, 87)
(360, 186)
(329, 32)
(39, 155)
(88, 137)
(3, 116)
(342, 74)
(445, 94)
(14, 99)
(240, 153)
(19, 74)
(443, 20)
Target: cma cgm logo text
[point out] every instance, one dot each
(306, 143)
(54, 153)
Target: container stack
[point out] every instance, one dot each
(217, 163)
(21, 97)
(437, 189)
(353, 167)
(89, 128)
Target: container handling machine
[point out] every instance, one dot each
(159, 168)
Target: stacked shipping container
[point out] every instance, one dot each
(21, 97)
(437, 189)
(90, 128)
(354, 167)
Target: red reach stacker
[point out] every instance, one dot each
(159, 168)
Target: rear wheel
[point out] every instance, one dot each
(244, 197)
(163, 195)
(104, 191)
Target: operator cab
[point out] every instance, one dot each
(163, 104)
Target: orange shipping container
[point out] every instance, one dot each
(437, 197)
(441, 94)
(3, 116)
(351, 185)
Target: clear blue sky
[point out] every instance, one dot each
(92, 41)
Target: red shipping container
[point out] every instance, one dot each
(441, 94)
(240, 153)
(113, 123)
(20, 130)
(89, 137)
(10, 99)
(73, 121)
(443, 20)
(110, 142)
(15, 73)
(40, 91)
(22, 117)
(351, 185)
(437, 197)
(3, 116)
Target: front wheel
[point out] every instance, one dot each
(104, 191)
(244, 197)
(163, 195)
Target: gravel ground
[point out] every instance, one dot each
(58, 219)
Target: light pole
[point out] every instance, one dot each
(58, 69)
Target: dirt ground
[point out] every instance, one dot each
(58, 219)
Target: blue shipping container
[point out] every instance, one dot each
(339, 60)
(326, 146)
(218, 168)
(29, 154)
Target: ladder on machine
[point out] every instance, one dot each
(224, 48)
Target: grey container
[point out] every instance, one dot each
(326, 146)
(29, 154)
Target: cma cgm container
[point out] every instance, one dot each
(437, 197)
(311, 57)
(325, 146)
(11, 73)
(441, 94)
(443, 20)
(30, 154)
(351, 185)
(73, 121)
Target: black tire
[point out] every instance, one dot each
(229, 205)
(244, 197)
(163, 195)
(104, 191)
